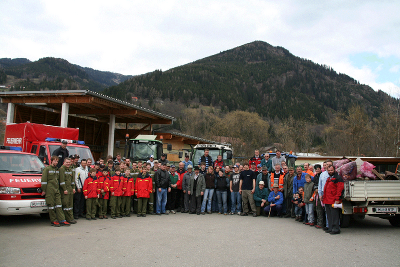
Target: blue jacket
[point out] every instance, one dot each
(299, 183)
(259, 195)
(272, 200)
(187, 164)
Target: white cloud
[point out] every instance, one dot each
(395, 69)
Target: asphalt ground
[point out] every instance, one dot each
(195, 240)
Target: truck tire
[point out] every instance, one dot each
(345, 221)
(395, 221)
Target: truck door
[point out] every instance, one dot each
(43, 155)
(34, 149)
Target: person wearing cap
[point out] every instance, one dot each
(187, 162)
(151, 160)
(197, 186)
(62, 153)
(185, 188)
(260, 197)
(275, 199)
(267, 162)
(75, 164)
(263, 176)
(163, 159)
(236, 198)
(163, 185)
(288, 193)
(253, 167)
(259, 169)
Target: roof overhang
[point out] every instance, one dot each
(89, 104)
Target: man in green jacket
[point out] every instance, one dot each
(260, 197)
(51, 189)
(67, 188)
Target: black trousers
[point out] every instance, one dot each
(172, 198)
(333, 218)
(195, 203)
(79, 203)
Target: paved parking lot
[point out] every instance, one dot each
(192, 240)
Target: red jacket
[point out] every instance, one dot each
(90, 187)
(333, 190)
(220, 164)
(104, 183)
(129, 187)
(143, 186)
(255, 160)
(180, 179)
(116, 185)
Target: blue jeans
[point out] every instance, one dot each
(310, 212)
(276, 208)
(208, 194)
(236, 200)
(161, 200)
(222, 201)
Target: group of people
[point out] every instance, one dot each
(260, 187)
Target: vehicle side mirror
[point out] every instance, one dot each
(180, 154)
(169, 147)
(117, 144)
(229, 154)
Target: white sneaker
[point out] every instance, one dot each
(167, 212)
(238, 213)
(173, 212)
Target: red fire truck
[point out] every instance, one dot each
(42, 140)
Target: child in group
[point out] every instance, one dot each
(128, 190)
(143, 188)
(116, 186)
(91, 193)
(103, 184)
(297, 200)
(309, 200)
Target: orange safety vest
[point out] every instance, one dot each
(280, 180)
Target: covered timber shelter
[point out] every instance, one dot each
(94, 114)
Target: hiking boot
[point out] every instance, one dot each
(244, 214)
(225, 213)
(209, 212)
(203, 213)
(73, 222)
(56, 224)
(88, 219)
(138, 215)
(143, 215)
(65, 223)
(113, 217)
(120, 216)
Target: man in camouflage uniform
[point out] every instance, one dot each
(67, 189)
(51, 189)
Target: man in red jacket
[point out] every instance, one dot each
(333, 195)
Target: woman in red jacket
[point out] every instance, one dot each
(333, 195)
(143, 188)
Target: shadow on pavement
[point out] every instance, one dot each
(22, 220)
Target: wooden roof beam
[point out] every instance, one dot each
(105, 112)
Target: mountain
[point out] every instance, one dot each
(256, 77)
(54, 74)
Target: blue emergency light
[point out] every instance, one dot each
(15, 148)
(50, 139)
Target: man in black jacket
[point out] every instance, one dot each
(62, 153)
(206, 158)
(163, 185)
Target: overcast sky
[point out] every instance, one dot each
(359, 38)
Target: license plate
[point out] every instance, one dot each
(386, 210)
(35, 204)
